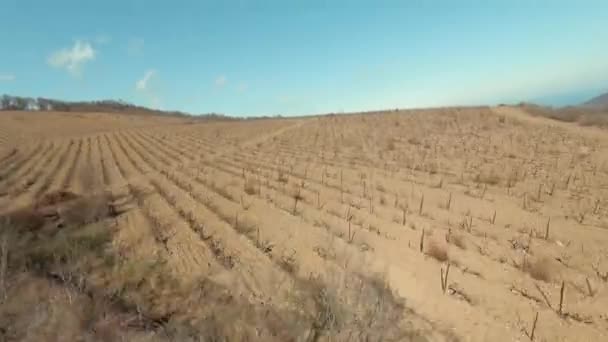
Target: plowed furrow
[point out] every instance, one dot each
(34, 174)
(229, 211)
(52, 169)
(112, 176)
(22, 166)
(138, 169)
(101, 162)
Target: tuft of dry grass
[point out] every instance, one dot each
(252, 187)
(539, 269)
(86, 210)
(490, 178)
(437, 251)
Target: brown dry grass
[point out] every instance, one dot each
(437, 251)
(540, 269)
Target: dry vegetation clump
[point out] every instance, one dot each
(252, 187)
(437, 251)
(391, 144)
(353, 307)
(539, 269)
(488, 177)
(88, 291)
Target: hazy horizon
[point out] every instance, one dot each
(269, 58)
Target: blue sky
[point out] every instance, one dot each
(302, 57)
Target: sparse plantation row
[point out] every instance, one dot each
(222, 241)
(14, 167)
(342, 222)
(465, 210)
(53, 167)
(241, 221)
(33, 173)
(235, 173)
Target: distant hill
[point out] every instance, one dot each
(598, 101)
(8, 102)
(591, 113)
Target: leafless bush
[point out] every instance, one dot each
(490, 178)
(353, 307)
(87, 210)
(539, 269)
(436, 251)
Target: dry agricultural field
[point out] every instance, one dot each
(455, 224)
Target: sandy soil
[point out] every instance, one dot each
(512, 208)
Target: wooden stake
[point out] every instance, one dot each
(534, 327)
(494, 217)
(589, 288)
(449, 202)
(421, 205)
(444, 278)
(547, 229)
(561, 297)
(422, 241)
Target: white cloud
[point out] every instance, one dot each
(7, 77)
(135, 46)
(142, 84)
(72, 59)
(221, 81)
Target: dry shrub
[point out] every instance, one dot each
(539, 269)
(107, 297)
(390, 144)
(490, 177)
(414, 141)
(437, 251)
(25, 218)
(87, 210)
(251, 187)
(55, 198)
(353, 307)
